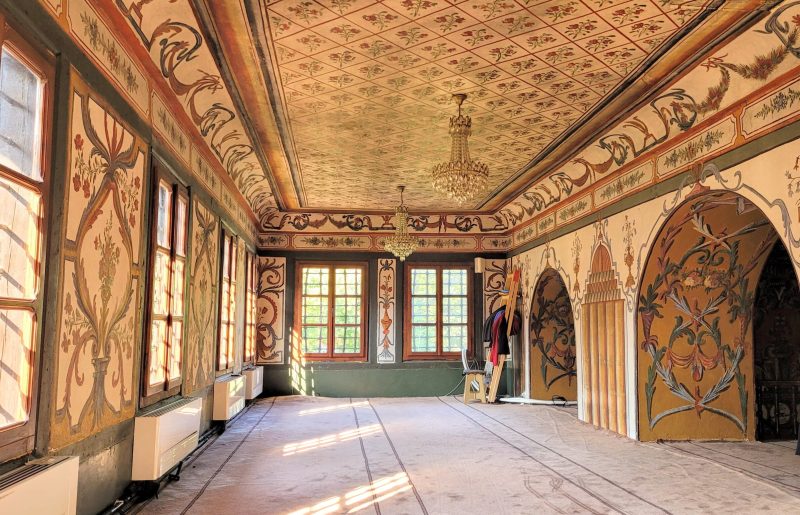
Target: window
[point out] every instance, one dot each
(227, 304)
(250, 313)
(25, 104)
(331, 310)
(167, 286)
(438, 311)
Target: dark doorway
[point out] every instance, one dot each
(776, 338)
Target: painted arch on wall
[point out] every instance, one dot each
(695, 319)
(552, 339)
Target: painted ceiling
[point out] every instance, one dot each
(366, 86)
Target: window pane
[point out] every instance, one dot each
(454, 310)
(175, 350)
(16, 353)
(315, 281)
(19, 240)
(423, 338)
(315, 310)
(20, 116)
(180, 227)
(164, 214)
(315, 340)
(454, 338)
(348, 281)
(347, 340)
(161, 283)
(347, 310)
(454, 282)
(226, 246)
(423, 281)
(223, 345)
(177, 288)
(158, 352)
(423, 310)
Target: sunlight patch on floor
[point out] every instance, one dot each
(324, 441)
(328, 409)
(361, 497)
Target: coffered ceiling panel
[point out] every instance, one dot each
(366, 86)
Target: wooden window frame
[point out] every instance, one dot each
(227, 305)
(330, 355)
(170, 386)
(408, 355)
(18, 440)
(250, 314)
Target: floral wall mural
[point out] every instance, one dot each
(695, 314)
(99, 327)
(494, 280)
(552, 340)
(202, 326)
(387, 310)
(270, 305)
(171, 34)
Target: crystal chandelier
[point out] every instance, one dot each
(461, 178)
(401, 244)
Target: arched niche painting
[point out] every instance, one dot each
(552, 340)
(695, 320)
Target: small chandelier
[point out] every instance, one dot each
(401, 244)
(461, 178)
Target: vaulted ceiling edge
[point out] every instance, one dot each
(735, 93)
(169, 31)
(366, 86)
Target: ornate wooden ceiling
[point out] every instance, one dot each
(362, 88)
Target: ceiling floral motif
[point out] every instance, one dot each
(366, 86)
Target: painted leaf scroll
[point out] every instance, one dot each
(387, 314)
(100, 306)
(270, 306)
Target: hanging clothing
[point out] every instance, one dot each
(495, 331)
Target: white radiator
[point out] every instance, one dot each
(47, 485)
(164, 437)
(254, 382)
(228, 397)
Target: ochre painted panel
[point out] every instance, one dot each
(200, 345)
(96, 367)
(695, 321)
(552, 337)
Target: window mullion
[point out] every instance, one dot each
(439, 345)
(331, 309)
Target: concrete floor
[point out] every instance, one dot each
(307, 455)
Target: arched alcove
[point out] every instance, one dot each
(695, 320)
(776, 348)
(552, 340)
(603, 346)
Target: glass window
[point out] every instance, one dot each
(438, 316)
(332, 311)
(165, 346)
(227, 312)
(250, 308)
(25, 94)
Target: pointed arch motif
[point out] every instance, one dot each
(603, 345)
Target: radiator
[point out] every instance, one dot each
(228, 397)
(47, 485)
(254, 382)
(163, 437)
